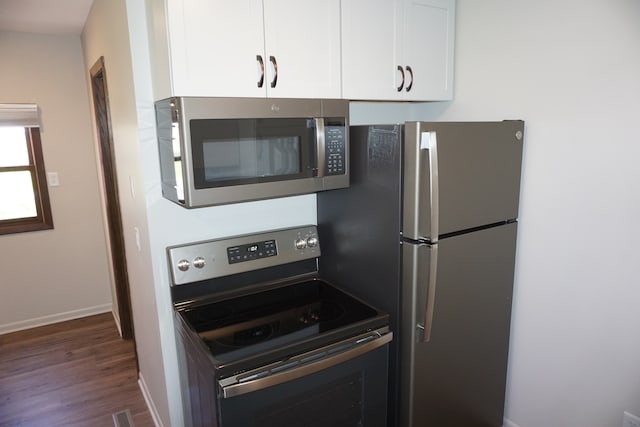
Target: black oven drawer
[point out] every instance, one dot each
(349, 394)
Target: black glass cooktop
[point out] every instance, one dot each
(271, 319)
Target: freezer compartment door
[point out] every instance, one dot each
(458, 176)
(456, 375)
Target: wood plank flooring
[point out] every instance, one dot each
(72, 374)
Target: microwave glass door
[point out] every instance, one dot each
(230, 152)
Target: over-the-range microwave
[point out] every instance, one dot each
(216, 151)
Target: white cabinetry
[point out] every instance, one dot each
(398, 49)
(304, 38)
(247, 48)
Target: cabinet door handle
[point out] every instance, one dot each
(274, 82)
(410, 74)
(261, 62)
(402, 82)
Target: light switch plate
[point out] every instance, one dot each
(52, 177)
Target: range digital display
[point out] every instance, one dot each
(251, 251)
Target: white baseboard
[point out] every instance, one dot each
(509, 423)
(116, 318)
(54, 318)
(147, 398)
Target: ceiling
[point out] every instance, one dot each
(56, 17)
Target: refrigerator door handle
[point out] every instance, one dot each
(425, 323)
(429, 141)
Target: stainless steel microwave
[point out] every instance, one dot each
(215, 151)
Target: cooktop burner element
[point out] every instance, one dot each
(321, 311)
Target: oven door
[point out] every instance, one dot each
(350, 393)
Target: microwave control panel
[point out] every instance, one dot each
(335, 150)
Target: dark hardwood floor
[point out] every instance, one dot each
(72, 374)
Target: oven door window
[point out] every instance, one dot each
(230, 152)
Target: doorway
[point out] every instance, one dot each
(100, 96)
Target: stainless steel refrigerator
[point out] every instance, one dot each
(427, 232)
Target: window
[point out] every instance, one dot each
(24, 200)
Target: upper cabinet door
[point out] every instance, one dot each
(216, 48)
(398, 49)
(254, 48)
(369, 49)
(302, 48)
(427, 49)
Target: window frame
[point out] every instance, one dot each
(44, 218)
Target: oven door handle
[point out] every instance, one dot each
(238, 389)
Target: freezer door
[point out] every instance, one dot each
(458, 176)
(457, 377)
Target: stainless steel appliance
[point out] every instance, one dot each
(225, 150)
(427, 232)
(264, 342)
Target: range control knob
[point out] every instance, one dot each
(312, 241)
(198, 262)
(183, 265)
(301, 243)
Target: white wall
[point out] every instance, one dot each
(60, 274)
(105, 35)
(571, 70)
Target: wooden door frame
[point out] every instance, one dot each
(100, 96)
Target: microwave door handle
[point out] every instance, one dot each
(320, 147)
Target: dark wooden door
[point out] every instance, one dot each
(110, 189)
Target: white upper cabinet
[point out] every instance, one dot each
(214, 46)
(247, 48)
(303, 38)
(398, 49)
(427, 48)
(354, 49)
(369, 47)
